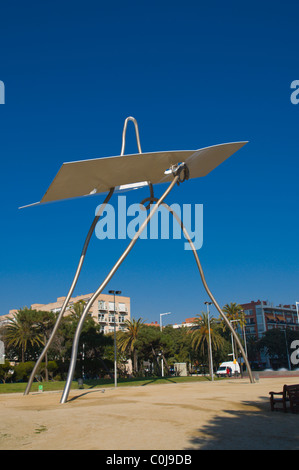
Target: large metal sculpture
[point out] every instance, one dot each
(125, 172)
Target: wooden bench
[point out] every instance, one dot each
(293, 395)
(289, 394)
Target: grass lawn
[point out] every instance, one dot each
(88, 384)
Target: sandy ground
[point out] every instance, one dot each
(231, 414)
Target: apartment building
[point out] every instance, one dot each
(262, 316)
(102, 310)
(188, 323)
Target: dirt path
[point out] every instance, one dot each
(232, 414)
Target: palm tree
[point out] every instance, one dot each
(44, 323)
(23, 330)
(235, 314)
(77, 310)
(127, 339)
(200, 335)
(234, 311)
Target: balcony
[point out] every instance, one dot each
(102, 318)
(118, 320)
(102, 307)
(122, 308)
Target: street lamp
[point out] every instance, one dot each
(162, 362)
(210, 345)
(115, 292)
(233, 349)
(161, 314)
(244, 334)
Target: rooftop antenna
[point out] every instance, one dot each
(122, 173)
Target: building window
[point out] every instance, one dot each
(260, 321)
(101, 305)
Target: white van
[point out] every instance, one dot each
(233, 366)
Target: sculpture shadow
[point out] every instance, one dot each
(253, 427)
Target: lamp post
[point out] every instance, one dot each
(231, 321)
(115, 292)
(210, 344)
(162, 362)
(244, 334)
(161, 314)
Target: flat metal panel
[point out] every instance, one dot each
(86, 177)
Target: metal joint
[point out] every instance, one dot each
(179, 169)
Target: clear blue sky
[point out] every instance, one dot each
(193, 74)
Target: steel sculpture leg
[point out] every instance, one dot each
(65, 303)
(72, 366)
(208, 290)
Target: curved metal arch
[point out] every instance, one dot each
(184, 230)
(66, 301)
(130, 118)
(88, 306)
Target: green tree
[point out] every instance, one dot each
(77, 310)
(234, 311)
(151, 346)
(68, 328)
(200, 335)
(23, 370)
(235, 314)
(276, 345)
(5, 371)
(23, 330)
(127, 340)
(179, 345)
(44, 323)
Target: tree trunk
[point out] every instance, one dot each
(106, 368)
(156, 359)
(135, 362)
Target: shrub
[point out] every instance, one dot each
(23, 370)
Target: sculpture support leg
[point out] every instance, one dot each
(71, 371)
(209, 292)
(66, 301)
